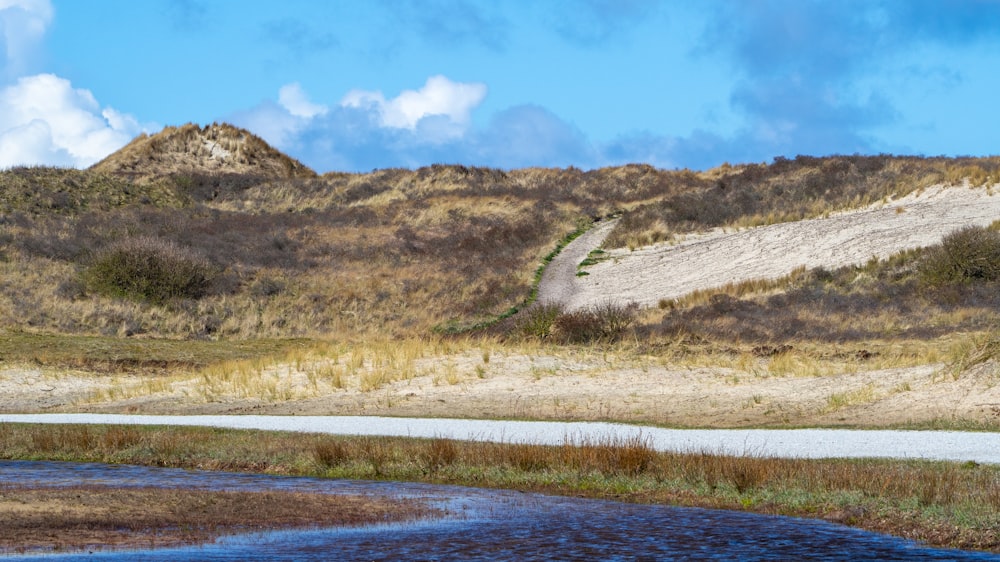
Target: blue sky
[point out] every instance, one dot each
(356, 85)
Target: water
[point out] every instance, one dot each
(492, 525)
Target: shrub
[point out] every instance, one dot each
(603, 322)
(968, 254)
(538, 321)
(149, 269)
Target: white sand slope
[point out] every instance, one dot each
(713, 259)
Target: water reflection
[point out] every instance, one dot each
(494, 525)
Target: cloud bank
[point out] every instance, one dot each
(433, 123)
(43, 118)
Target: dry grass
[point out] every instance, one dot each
(789, 190)
(305, 370)
(393, 253)
(71, 518)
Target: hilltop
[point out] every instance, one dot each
(190, 149)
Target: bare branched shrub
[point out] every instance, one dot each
(605, 322)
(149, 269)
(968, 254)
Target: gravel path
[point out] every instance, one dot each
(791, 443)
(668, 271)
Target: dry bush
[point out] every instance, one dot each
(626, 456)
(538, 320)
(605, 322)
(150, 269)
(439, 453)
(331, 453)
(965, 255)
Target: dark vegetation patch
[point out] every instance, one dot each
(602, 323)
(149, 269)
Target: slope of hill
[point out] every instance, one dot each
(213, 149)
(276, 251)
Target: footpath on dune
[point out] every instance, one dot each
(713, 259)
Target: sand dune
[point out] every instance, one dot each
(702, 261)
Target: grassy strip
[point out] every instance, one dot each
(583, 226)
(113, 354)
(72, 518)
(943, 504)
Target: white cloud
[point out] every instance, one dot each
(439, 97)
(295, 100)
(44, 120)
(22, 26)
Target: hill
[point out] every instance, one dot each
(171, 271)
(190, 149)
(276, 251)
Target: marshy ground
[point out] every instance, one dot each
(41, 518)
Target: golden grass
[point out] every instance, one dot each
(318, 368)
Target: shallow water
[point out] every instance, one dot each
(492, 525)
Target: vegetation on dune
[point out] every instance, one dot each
(352, 253)
(790, 190)
(200, 233)
(193, 149)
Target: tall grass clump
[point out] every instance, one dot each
(149, 269)
(538, 321)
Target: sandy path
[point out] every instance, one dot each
(794, 443)
(559, 281)
(666, 271)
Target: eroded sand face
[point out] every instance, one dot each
(666, 271)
